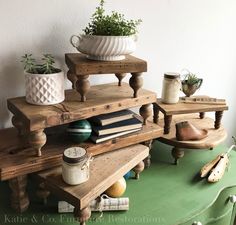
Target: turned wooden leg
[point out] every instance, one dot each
(148, 144)
(155, 113)
(82, 215)
(18, 124)
(218, 117)
(72, 78)
(43, 193)
(120, 77)
(202, 115)
(83, 86)
(167, 121)
(138, 169)
(136, 82)
(147, 161)
(37, 139)
(19, 197)
(177, 153)
(145, 111)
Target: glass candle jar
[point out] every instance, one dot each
(75, 166)
(171, 88)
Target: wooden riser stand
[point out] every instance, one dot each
(33, 149)
(169, 110)
(105, 170)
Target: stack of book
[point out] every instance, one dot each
(112, 125)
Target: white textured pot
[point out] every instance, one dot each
(44, 89)
(105, 48)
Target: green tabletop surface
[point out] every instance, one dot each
(165, 194)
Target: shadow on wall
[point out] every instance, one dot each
(11, 85)
(12, 82)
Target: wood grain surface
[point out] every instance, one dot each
(80, 65)
(101, 99)
(215, 136)
(182, 108)
(105, 170)
(24, 160)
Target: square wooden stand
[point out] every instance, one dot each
(185, 108)
(31, 120)
(105, 170)
(80, 68)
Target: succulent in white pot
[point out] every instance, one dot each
(107, 37)
(44, 84)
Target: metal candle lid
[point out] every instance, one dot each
(171, 75)
(74, 155)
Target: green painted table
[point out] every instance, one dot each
(165, 195)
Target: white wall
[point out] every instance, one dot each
(196, 34)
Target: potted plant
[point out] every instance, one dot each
(43, 82)
(191, 84)
(107, 37)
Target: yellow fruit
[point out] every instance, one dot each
(117, 189)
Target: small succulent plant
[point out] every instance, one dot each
(191, 83)
(191, 79)
(30, 65)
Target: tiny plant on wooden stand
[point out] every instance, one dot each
(44, 82)
(112, 34)
(191, 84)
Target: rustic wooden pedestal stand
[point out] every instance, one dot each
(80, 68)
(184, 108)
(105, 170)
(214, 138)
(31, 120)
(17, 149)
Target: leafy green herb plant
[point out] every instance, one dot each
(46, 67)
(110, 25)
(191, 78)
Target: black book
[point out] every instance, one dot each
(98, 139)
(109, 118)
(121, 126)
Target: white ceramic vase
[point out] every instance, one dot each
(104, 48)
(44, 89)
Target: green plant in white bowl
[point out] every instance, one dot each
(110, 25)
(107, 37)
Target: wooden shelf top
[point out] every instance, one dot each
(215, 136)
(24, 160)
(182, 108)
(101, 99)
(80, 65)
(105, 170)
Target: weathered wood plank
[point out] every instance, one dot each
(215, 136)
(104, 171)
(24, 160)
(182, 108)
(101, 99)
(80, 65)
